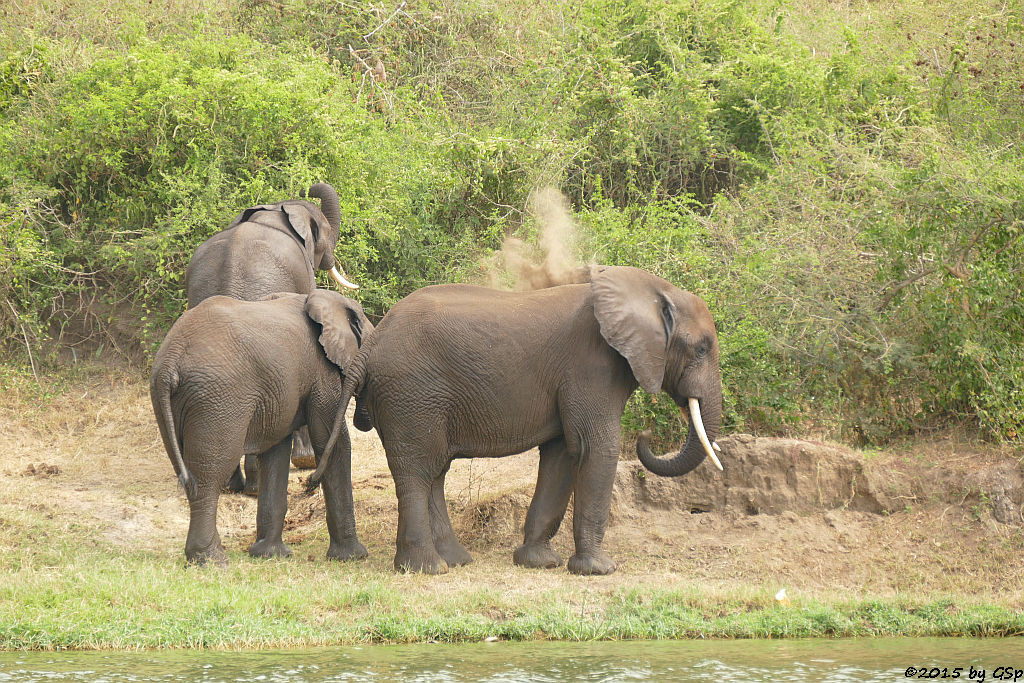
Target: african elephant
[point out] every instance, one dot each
(267, 249)
(455, 371)
(236, 378)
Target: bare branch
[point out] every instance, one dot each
(24, 334)
(355, 55)
(386, 21)
(905, 283)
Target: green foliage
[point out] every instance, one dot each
(842, 187)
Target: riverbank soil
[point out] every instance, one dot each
(813, 517)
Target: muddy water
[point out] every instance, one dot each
(884, 659)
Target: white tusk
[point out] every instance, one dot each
(714, 444)
(699, 426)
(340, 279)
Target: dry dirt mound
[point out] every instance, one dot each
(772, 476)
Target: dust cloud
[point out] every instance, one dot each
(523, 266)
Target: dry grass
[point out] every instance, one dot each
(92, 456)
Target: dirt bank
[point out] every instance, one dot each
(810, 516)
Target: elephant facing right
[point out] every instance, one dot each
(267, 249)
(454, 371)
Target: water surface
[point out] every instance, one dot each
(880, 659)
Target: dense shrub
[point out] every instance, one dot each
(843, 187)
(117, 172)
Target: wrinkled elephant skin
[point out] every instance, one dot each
(236, 378)
(454, 371)
(268, 249)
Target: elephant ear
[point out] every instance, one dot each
(342, 322)
(301, 219)
(323, 256)
(636, 319)
(303, 224)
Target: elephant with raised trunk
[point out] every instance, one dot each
(267, 249)
(236, 378)
(454, 371)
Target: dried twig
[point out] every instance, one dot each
(355, 55)
(954, 266)
(377, 75)
(386, 21)
(24, 334)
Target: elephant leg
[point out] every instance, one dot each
(272, 503)
(236, 484)
(302, 450)
(447, 546)
(415, 543)
(252, 478)
(337, 486)
(203, 546)
(550, 500)
(592, 497)
(210, 451)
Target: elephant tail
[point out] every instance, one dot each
(352, 384)
(162, 386)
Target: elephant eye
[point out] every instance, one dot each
(702, 350)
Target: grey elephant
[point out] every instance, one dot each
(238, 377)
(267, 249)
(455, 371)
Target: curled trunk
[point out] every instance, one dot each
(693, 451)
(329, 205)
(331, 208)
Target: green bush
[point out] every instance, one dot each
(842, 187)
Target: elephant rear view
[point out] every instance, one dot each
(454, 371)
(236, 378)
(267, 249)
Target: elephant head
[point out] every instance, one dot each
(668, 337)
(323, 254)
(315, 228)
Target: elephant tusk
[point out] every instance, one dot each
(698, 424)
(341, 280)
(714, 444)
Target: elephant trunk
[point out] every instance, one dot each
(703, 428)
(331, 208)
(329, 205)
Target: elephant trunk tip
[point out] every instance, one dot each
(643, 441)
(329, 202)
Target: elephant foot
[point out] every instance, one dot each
(347, 550)
(536, 556)
(236, 484)
(303, 457)
(252, 490)
(596, 563)
(213, 557)
(421, 560)
(452, 551)
(265, 548)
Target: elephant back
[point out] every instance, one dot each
(300, 218)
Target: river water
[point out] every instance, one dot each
(879, 659)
